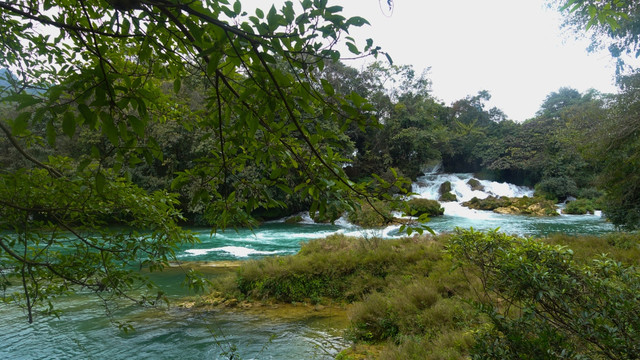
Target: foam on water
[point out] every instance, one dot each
(237, 251)
(427, 187)
(457, 209)
(277, 237)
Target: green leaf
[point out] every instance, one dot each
(137, 125)
(126, 25)
(272, 17)
(88, 115)
(20, 124)
(109, 129)
(288, 12)
(260, 13)
(353, 48)
(51, 133)
(237, 7)
(69, 124)
(23, 100)
(212, 66)
(55, 92)
(389, 59)
(328, 89)
(177, 83)
(357, 21)
(100, 182)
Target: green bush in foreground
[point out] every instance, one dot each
(544, 305)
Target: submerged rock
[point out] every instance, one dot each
(293, 219)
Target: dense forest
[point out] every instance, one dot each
(579, 145)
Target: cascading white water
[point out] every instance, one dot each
(428, 186)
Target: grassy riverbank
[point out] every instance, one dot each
(429, 297)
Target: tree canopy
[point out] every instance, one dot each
(101, 74)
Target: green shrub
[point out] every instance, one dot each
(425, 206)
(555, 188)
(488, 203)
(624, 241)
(579, 207)
(338, 267)
(406, 309)
(533, 298)
(371, 216)
(589, 193)
(622, 247)
(539, 301)
(447, 345)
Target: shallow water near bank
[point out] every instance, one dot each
(85, 332)
(165, 334)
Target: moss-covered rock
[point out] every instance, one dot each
(293, 219)
(445, 187)
(448, 196)
(445, 192)
(475, 185)
(489, 203)
(514, 206)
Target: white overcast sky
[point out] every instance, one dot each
(513, 48)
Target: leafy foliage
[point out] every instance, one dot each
(204, 98)
(579, 207)
(374, 215)
(59, 239)
(544, 305)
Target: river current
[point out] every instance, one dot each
(84, 332)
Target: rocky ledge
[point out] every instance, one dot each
(514, 206)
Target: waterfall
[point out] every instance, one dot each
(428, 186)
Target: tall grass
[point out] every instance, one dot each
(338, 268)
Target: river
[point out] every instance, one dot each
(84, 332)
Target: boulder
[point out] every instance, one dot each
(475, 185)
(445, 187)
(508, 210)
(448, 196)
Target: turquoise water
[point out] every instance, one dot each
(285, 239)
(85, 332)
